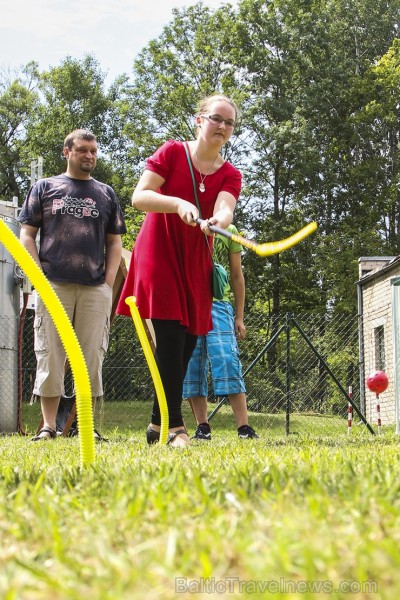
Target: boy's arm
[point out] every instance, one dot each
(238, 289)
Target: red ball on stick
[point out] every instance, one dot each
(377, 382)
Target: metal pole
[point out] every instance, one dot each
(361, 348)
(335, 379)
(40, 167)
(36, 169)
(288, 373)
(395, 282)
(350, 411)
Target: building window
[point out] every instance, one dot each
(379, 338)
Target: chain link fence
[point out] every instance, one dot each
(300, 372)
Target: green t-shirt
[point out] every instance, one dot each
(221, 250)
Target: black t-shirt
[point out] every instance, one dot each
(73, 216)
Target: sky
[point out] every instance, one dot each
(115, 31)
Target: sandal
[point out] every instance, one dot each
(152, 436)
(173, 435)
(45, 430)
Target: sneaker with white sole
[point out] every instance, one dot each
(203, 432)
(247, 432)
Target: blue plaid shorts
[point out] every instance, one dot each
(218, 351)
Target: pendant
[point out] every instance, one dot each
(202, 187)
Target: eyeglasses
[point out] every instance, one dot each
(218, 120)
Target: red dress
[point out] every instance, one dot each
(170, 269)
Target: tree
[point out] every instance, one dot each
(303, 65)
(18, 101)
(171, 75)
(347, 198)
(378, 122)
(73, 96)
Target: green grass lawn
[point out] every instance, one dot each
(131, 416)
(276, 517)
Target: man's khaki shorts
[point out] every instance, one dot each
(89, 310)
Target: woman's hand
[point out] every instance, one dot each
(205, 225)
(188, 212)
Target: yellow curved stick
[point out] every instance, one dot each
(155, 374)
(268, 248)
(68, 338)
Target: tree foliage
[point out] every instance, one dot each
(18, 102)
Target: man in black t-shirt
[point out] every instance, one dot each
(80, 223)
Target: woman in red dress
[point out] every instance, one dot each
(170, 270)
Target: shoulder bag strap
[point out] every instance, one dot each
(185, 145)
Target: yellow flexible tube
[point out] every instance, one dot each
(270, 248)
(155, 374)
(68, 338)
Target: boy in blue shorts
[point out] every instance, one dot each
(219, 349)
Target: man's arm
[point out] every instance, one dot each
(238, 289)
(112, 257)
(27, 237)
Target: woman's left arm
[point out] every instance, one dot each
(223, 212)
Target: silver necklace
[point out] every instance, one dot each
(202, 187)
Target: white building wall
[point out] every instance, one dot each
(377, 313)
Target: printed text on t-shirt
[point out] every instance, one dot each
(78, 207)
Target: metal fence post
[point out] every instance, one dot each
(288, 369)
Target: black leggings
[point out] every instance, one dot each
(174, 347)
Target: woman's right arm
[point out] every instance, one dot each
(145, 197)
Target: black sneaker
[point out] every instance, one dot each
(73, 432)
(152, 436)
(98, 437)
(247, 432)
(203, 432)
